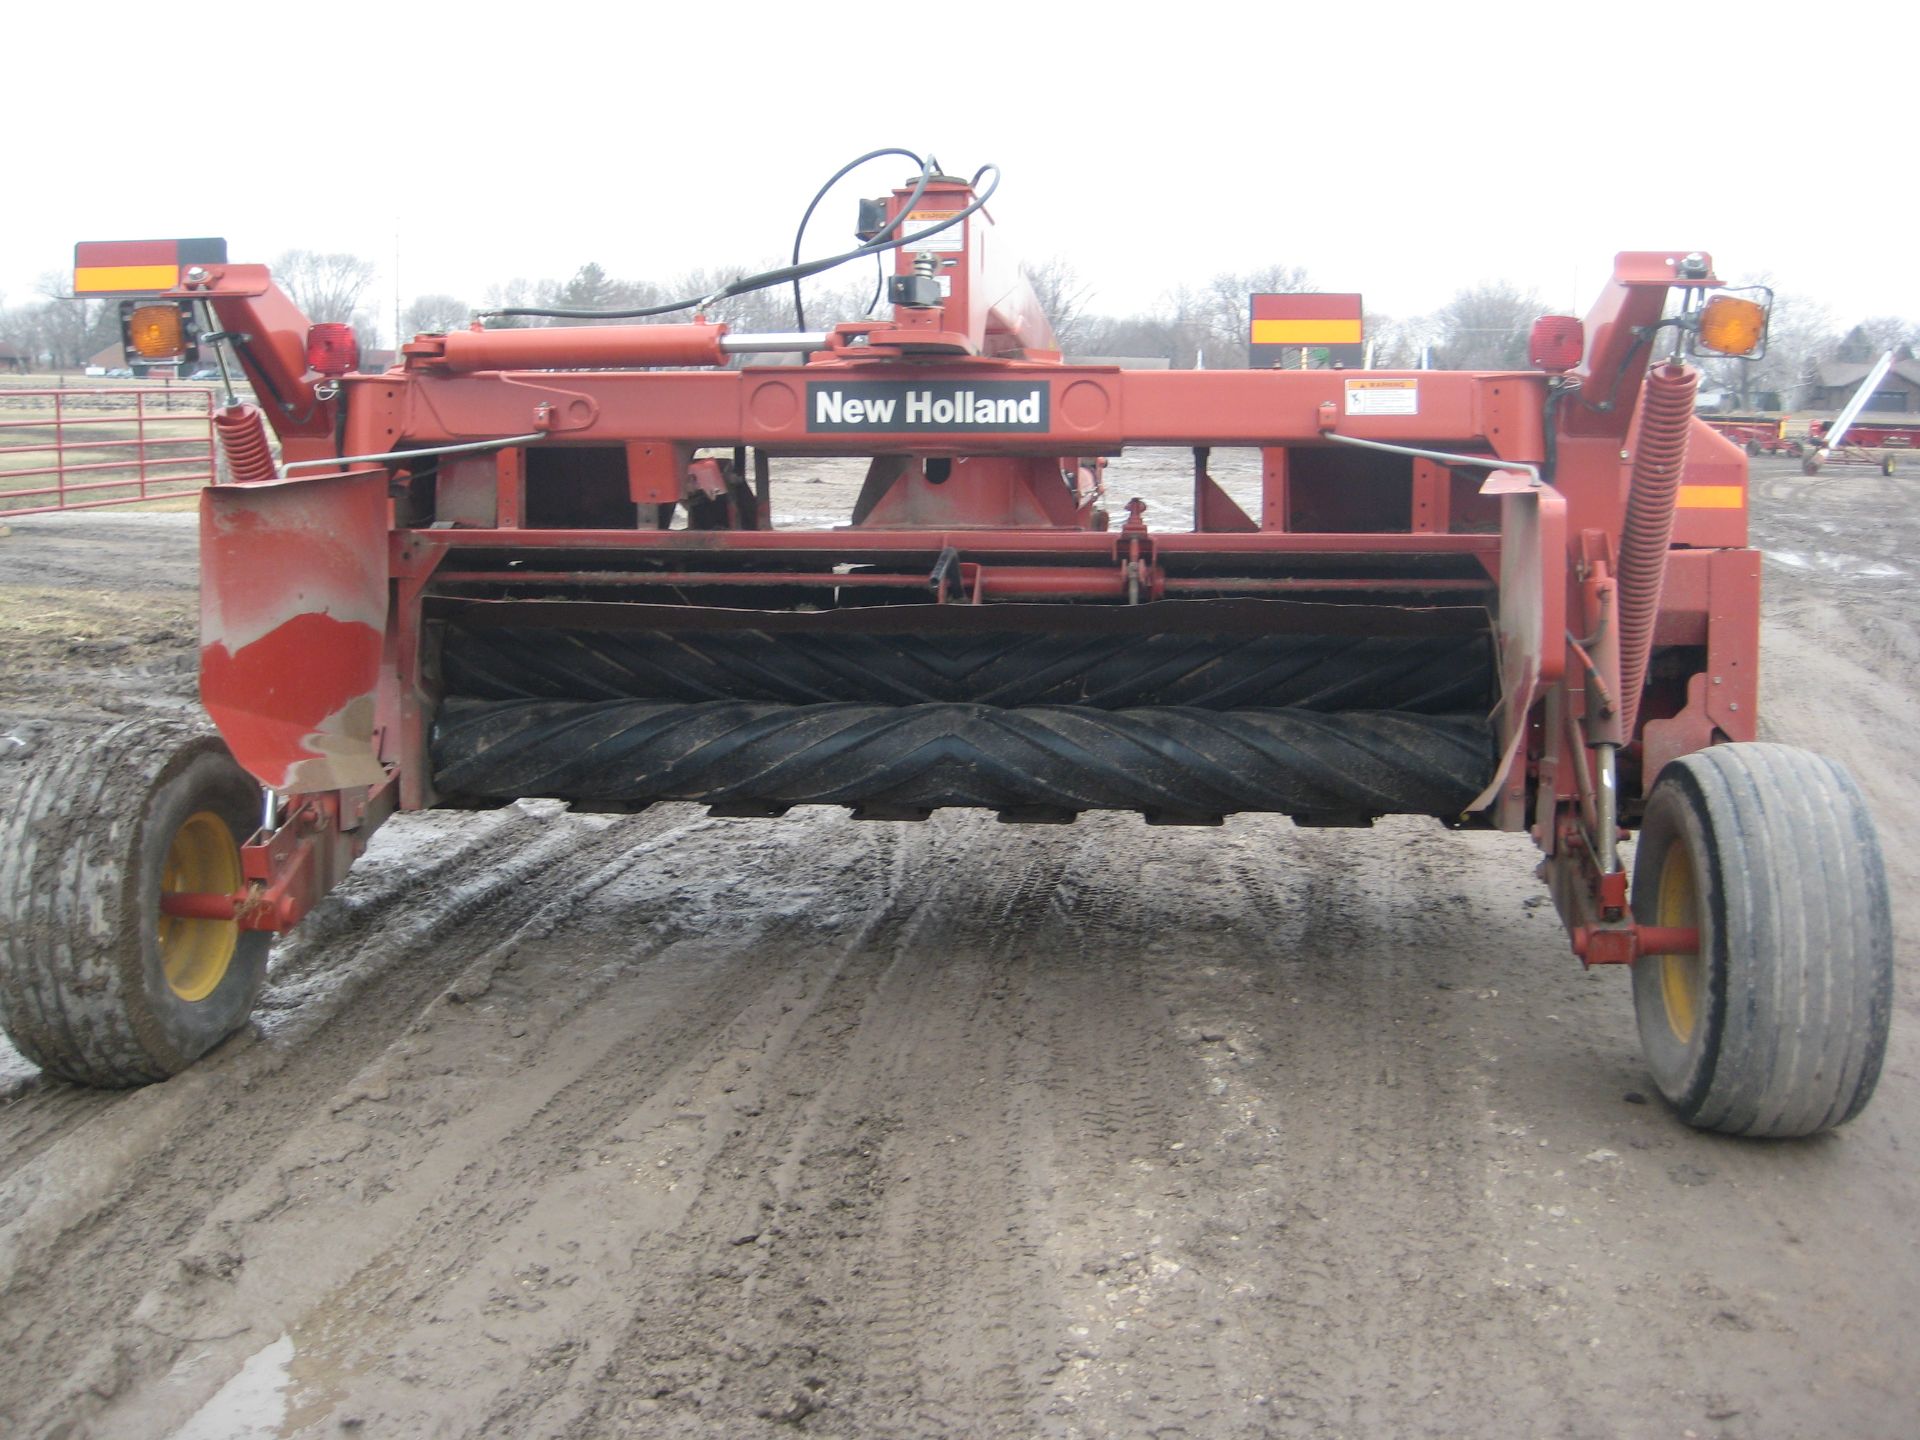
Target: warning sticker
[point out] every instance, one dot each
(1383, 397)
(954, 239)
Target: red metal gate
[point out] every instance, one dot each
(105, 446)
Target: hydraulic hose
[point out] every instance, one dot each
(889, 238)
(1666, 419)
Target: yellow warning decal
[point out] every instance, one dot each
(953, 239)
(1383, 397)
(1306, 332)
(1713, 497)
(125, 279)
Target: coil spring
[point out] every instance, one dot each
(242, 432)
(1666, 420)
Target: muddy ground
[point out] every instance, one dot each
(576, 1126)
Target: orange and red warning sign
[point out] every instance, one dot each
(139, 267)
(1312, 321)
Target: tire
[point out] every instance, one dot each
(1810, 465)
(1778, 1027)
(96, 985)
(1753, 447)
(1796, 449)
(1886, 466)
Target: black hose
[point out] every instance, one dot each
(926, 174)
(770, 277)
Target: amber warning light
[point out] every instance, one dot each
(1732, 325)
(158, 332)
(155, 332)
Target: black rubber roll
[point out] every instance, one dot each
(1422, 674)
(1169, 760)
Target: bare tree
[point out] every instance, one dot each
(1135, 336)
(20, 328)
(854, 293)
(368, 330)
(1485, 327)
(751, 312)
(1228, 312)
(1214, 324)
(1800, 334)
(325, 287)
(434, 315)
(513, 294)
(1211, 325)
(1873, 337)
(1396, 343)
(592, 288)
(1063, 297)
(67, 330)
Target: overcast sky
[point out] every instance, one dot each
(1399, 150)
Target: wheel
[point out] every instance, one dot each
(96, 985)
(1796, 449)
(1810, 465)
(1779, 1025)
(1886, 466)
(1753, 447)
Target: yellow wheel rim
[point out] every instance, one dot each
(1683, 978)
(202, 860)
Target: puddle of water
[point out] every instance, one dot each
(250, 1406)
(1850, 567)
(15, 1068)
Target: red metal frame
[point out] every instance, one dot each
(1874, 434)
(1878, 443)
(973, 511)
(152, 462)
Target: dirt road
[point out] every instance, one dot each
(574, 1126)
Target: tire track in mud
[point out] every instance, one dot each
(1851, 640)
(940, 1161)
(470, 1183)
(963, 1129)
(1366, 1118)
(354, 917)
(1248, 1261)
(39, 1112)
(207, 1130)
(871, 1263)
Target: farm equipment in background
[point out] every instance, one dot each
(541, 562)
(1874, 434)
(1846, 440)
(1756, 434)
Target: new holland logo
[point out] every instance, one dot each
(945, 406)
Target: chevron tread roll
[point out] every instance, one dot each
(1161, 759)
(1425, 675)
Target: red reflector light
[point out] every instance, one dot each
(332, 349)
(1557, 343)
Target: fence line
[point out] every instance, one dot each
(145, 449)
